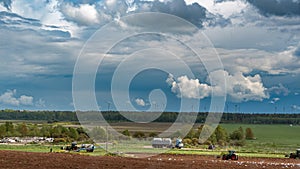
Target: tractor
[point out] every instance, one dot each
(295, 155)
(75, 148)
(230, 156)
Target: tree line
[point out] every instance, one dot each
(68, 134)
(114, 116)
(59, 132)
(220, 137)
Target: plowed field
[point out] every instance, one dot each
(25, 160)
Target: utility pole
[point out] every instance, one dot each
(108, 106)
(227, 108)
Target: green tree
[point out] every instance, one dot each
(73, 133)
(249, 134)
(2, 131)
(34, 130)
(22, 129)
(82, 134)
(9, 127)
(139, 134)
(45, 130)
(152, 134)
(237, 134)
(221, 134)
(212, 139)
(59, 131)
(126, 132)
(191, 134)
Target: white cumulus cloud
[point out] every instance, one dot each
(9, 98)
(84, 14)
(239, 88)
(140, 102)
(188, 88)
(242, 88)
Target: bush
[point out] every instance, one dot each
(152, 134)
(238, 142)
(187, 141)
(222, 143)
(139, 134)
(195, 141)
(237, 135)
(221, 134)
(191, 134)
(126, 132)
(60, 140)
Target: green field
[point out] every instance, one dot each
(271, 141)
(270, 138)
(28, 147)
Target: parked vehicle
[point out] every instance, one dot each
(230, 156)
(296, 154)
(166, 143)
(74, 147)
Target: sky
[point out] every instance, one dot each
(246, 52)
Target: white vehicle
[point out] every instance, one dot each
(166, 143)
(161, 143)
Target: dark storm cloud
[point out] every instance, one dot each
(6, 4)
(193, 13)
(277, 7)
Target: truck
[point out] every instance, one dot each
(161, 143)
(178, 143)
(166, 143)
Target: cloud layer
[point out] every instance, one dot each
(257, 41)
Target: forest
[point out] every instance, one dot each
(114, 116)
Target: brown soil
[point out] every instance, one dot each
(25, 160)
